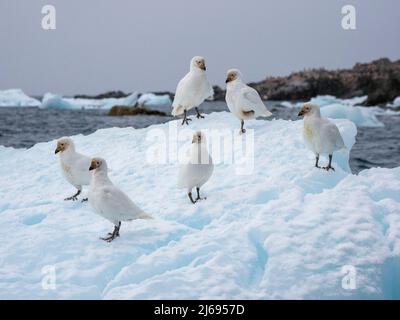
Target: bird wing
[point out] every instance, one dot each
(114, 202)
(250, 100)
(333, 132)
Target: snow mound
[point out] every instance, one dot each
(336, 108)
(16, 98)
(57, 102)
(152, 100)
(285, 230)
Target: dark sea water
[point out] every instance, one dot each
(24, 127)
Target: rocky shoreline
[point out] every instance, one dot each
(379, 80)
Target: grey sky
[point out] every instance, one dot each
(147, 45)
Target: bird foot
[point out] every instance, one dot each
(199, 116)
(319, 167)
(73, 198)
(85, 199)
(186, 120)
(327, 168)
(242, 131)
(110, 237)
(198, 199)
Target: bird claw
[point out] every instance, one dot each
(85, 199)
(242, 131)
(198, 198)
(328, 167)
(73, 198)
(199, 116)
(110, 237)
(186, 121)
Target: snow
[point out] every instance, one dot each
(285, 230)
(336, 108)
(152, 100)
(16, 98)
(58, 102)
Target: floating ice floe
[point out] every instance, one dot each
(152, 100)
(16, 98)
(57, 102)
(336, 108)
(285, 230)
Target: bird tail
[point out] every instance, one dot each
(267, 113)
(145, 215)
(177, 110)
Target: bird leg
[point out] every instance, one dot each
(329, 164)
(191, 198)
(242, 130)
(198, 114)
(198, 195)
(74, 197)
(185, 118)
(84, 199)
(114, 234)
(316, 161)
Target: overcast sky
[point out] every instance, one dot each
(102, 45)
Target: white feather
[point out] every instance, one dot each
(198, 169)
(321, 135)
(192, 90)
(109, 201)
(75, 166)
(243, 101)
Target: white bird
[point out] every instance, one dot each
(192, 90)
(74, 166)
(321, 135)
(199, 168)
(109, 201)
(243, 101)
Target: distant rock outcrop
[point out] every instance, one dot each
(379, 80)
(133, 111)
(110, 94)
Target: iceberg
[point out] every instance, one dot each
(361, 116)
(152, 100)
(395, 104)
(58, 102)
(336, 108)
(285, 230)
(16, 98)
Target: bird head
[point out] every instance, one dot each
(309, 109)
(232, 75)
(97, 163)
(64, 144)
(198, 137)
(198, 62)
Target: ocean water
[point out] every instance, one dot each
(24, 127)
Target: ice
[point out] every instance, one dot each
(54, 101)
(152, 100)
(285, 230)
(395, 104)
(361, 116)
(58, 102)
(336, 108)
(16, 98)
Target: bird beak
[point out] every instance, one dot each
(227, 80)
(301, 113)
(203, 67)
(91, 168)
(58, 149)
